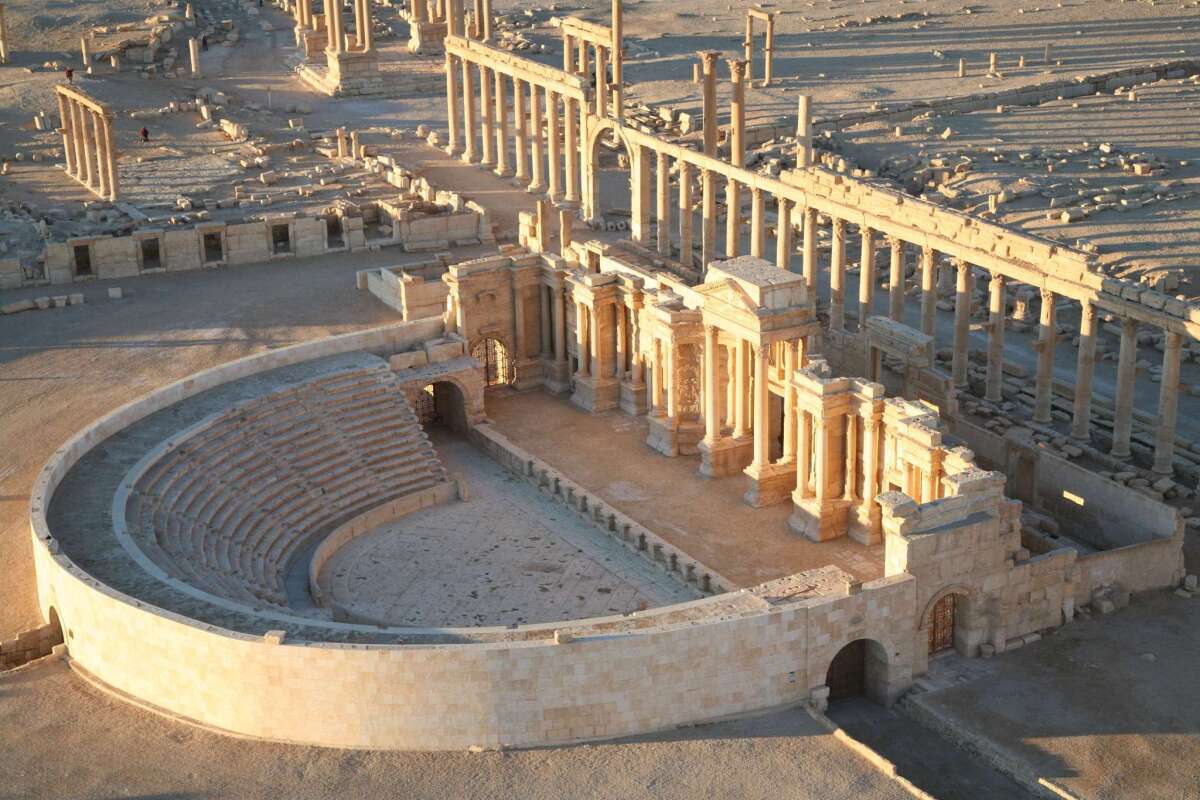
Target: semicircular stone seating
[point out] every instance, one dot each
(228, 507)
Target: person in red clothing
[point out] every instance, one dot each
(143, 135)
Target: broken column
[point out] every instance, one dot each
(710, 102)
(194, 56)
(1168, 403)
(804, 143)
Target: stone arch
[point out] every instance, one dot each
(861, 666)
(967, 633)
(449, 403)
(597, 126)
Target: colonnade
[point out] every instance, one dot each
(587, 45)
(339, 41)
(89, 146)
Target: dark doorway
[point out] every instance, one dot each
(83, 259)
(151, 257)
(847, 675)
(333, 232)
(281, 239)
(214, 249)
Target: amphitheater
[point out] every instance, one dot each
(643, 419)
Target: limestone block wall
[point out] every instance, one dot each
(1136, 567)
(30, 645)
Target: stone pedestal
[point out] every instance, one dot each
(556, 376)
(529, 374)
(673, 437)
(770, 484)
(865, 525)
(819, 521)
(426, 38)
(596, 394)
(633, 398)
(725, 456)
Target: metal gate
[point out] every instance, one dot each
(426, 407)
(848, 671)
(941, 624)
(493, 355)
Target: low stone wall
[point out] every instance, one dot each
(1136, 568)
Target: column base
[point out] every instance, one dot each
(503, 172)
(673, 437)
(487, 163)
(556, 376)
(770, 484)
(529, 374)
(818, 521)
(866, 526)
(725, 456)
(633, 398)
(468, 157)
(596, 394)
(452, 149)
(536, 188)
(520, 180)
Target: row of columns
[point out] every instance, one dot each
(89, 146)
(578, 60)
(336, 30)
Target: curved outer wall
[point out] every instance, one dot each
(447, 696)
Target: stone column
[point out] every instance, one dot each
(896, 280)
(804, 148)
(581, 339)
(333, 26)
(560, 325)
(837, 277)
(685, 213)
(769, 52)
(657, 376)
(522, 132)
(758, 227)
(569, 53)
(809, 265)
(618, 49)
(866, 276)
(84, 127)
(358, 23)
(489, 118)
(366, 35)
(1085, 368)
(554, 135)
(640, 222)
(709, 62)
(731, 386)
(741, 422)
(538, 186)
(470, 154)
(601, 83)
(3, 37)
(850, 472)
(622, 342)
(748, 46)
(962, 323)
(547, 328)
(1168, 403)
(454, 144)
(102, 176)
(928, 290)
(68, 131)
(503, 169)
(343, 149)
(997, 305)
(573, 151)
(194, 56)
(596, 329)
(85, 53)
(583, 58)
(762, 424)
(1126, 375)
(820, 455)
(1047, 338)
(783, 233)
(870, 458)
(663, 204)
(737, 154)
(792, 360)
(708, 224)
(733, 213)
(712, 424)
(804, 465)
(487, 20)
(110, 153)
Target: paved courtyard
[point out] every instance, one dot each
(507, 555)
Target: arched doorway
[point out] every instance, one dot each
(613, 164)
(860, 667)
(441, 405)
(941, 623)
(492, 355)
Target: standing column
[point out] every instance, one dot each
(552, 132)
(663, 204)
(102, 176)
(452, 117)
(622, 342)
(90, 173)
(68, 131)
(560, 324)
(468, 73)
(194, 56)
(809, 265)
(708, 222)
(789, 400)
(539, 160)
(995, 356)
(366, 36)
(489, 117)
(783, 233)
(762, 424)
(581, 339)
(358, 23)
(337, 33)
(804, 148)
(741, 423)
(928, 291)
(837, 277)
(3, 37)
(962, 323)
(583, 58)
(601, 83)
(547, 327)
(618, 50)
(573, 151)
(769, 52)
(820, 437)
(1168, 403)
(487, 20)
(569, 53)
(758, 229)
(1126, 375)
(870, 458)
(866, 276)
(737, 155)
(709, 66)
(712, 425)
(640, 222)
(730, 415)
(502, 133)
(804, 465)
(896, 280)
(685, 213)
(522, 124)
(850, 474)
(1085, 369)
(1047, 338)
(110, 153)
(733, 213)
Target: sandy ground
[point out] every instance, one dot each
(61, 737)
(1106, 708)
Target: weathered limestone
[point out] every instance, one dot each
(1084, 372)
(1123, 401)
(1047, 337)
(804, 139)
(1168, 404)
(662, 204)
(962, 322)
(194, 56)
(997, 305)
(896, 279)
(837, 277)
(3, 36)
(88, 143)
(737, 155)
(768, 45)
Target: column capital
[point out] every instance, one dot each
(737, 69)
(927, 253)
(1047, 295)
(756, 192)
(711, 330)
(998, 280)
(893, 240)
(962, 265)
(839, 225)
(709, 57)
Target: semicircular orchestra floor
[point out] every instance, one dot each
(509, 555)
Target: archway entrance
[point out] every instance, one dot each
(441, 405)
(941, 624)
(610, 192)
(860, 667)
(498, 369)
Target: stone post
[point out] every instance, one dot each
(712, 427)
(896, 280)
(685, 213)
(741, 422)
(962, 323)
(762, 398)
(581, 339)
(809, 265)
(709, 61)
(617, 59)
(454, 144)
(342, 147)
(1126, 375)
(503, 169)
(553, 133)
(804, 142)
(783, 234)
(489, 118)
(866, 277)
(928, 290)
(997, 306)
(601, 83)
(84, 127)
(1168, 403)
(194, 56)
(791, 361)
(522, 133)
(1047, 338)
(837, 277)
(662, 204)
(640, 221)
(470, 154)
(538, 186)
(104, 179)
(573, 151)
(758, 228)
(1085, 369)
(708, 223)
(355, 145)
(67, 130)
